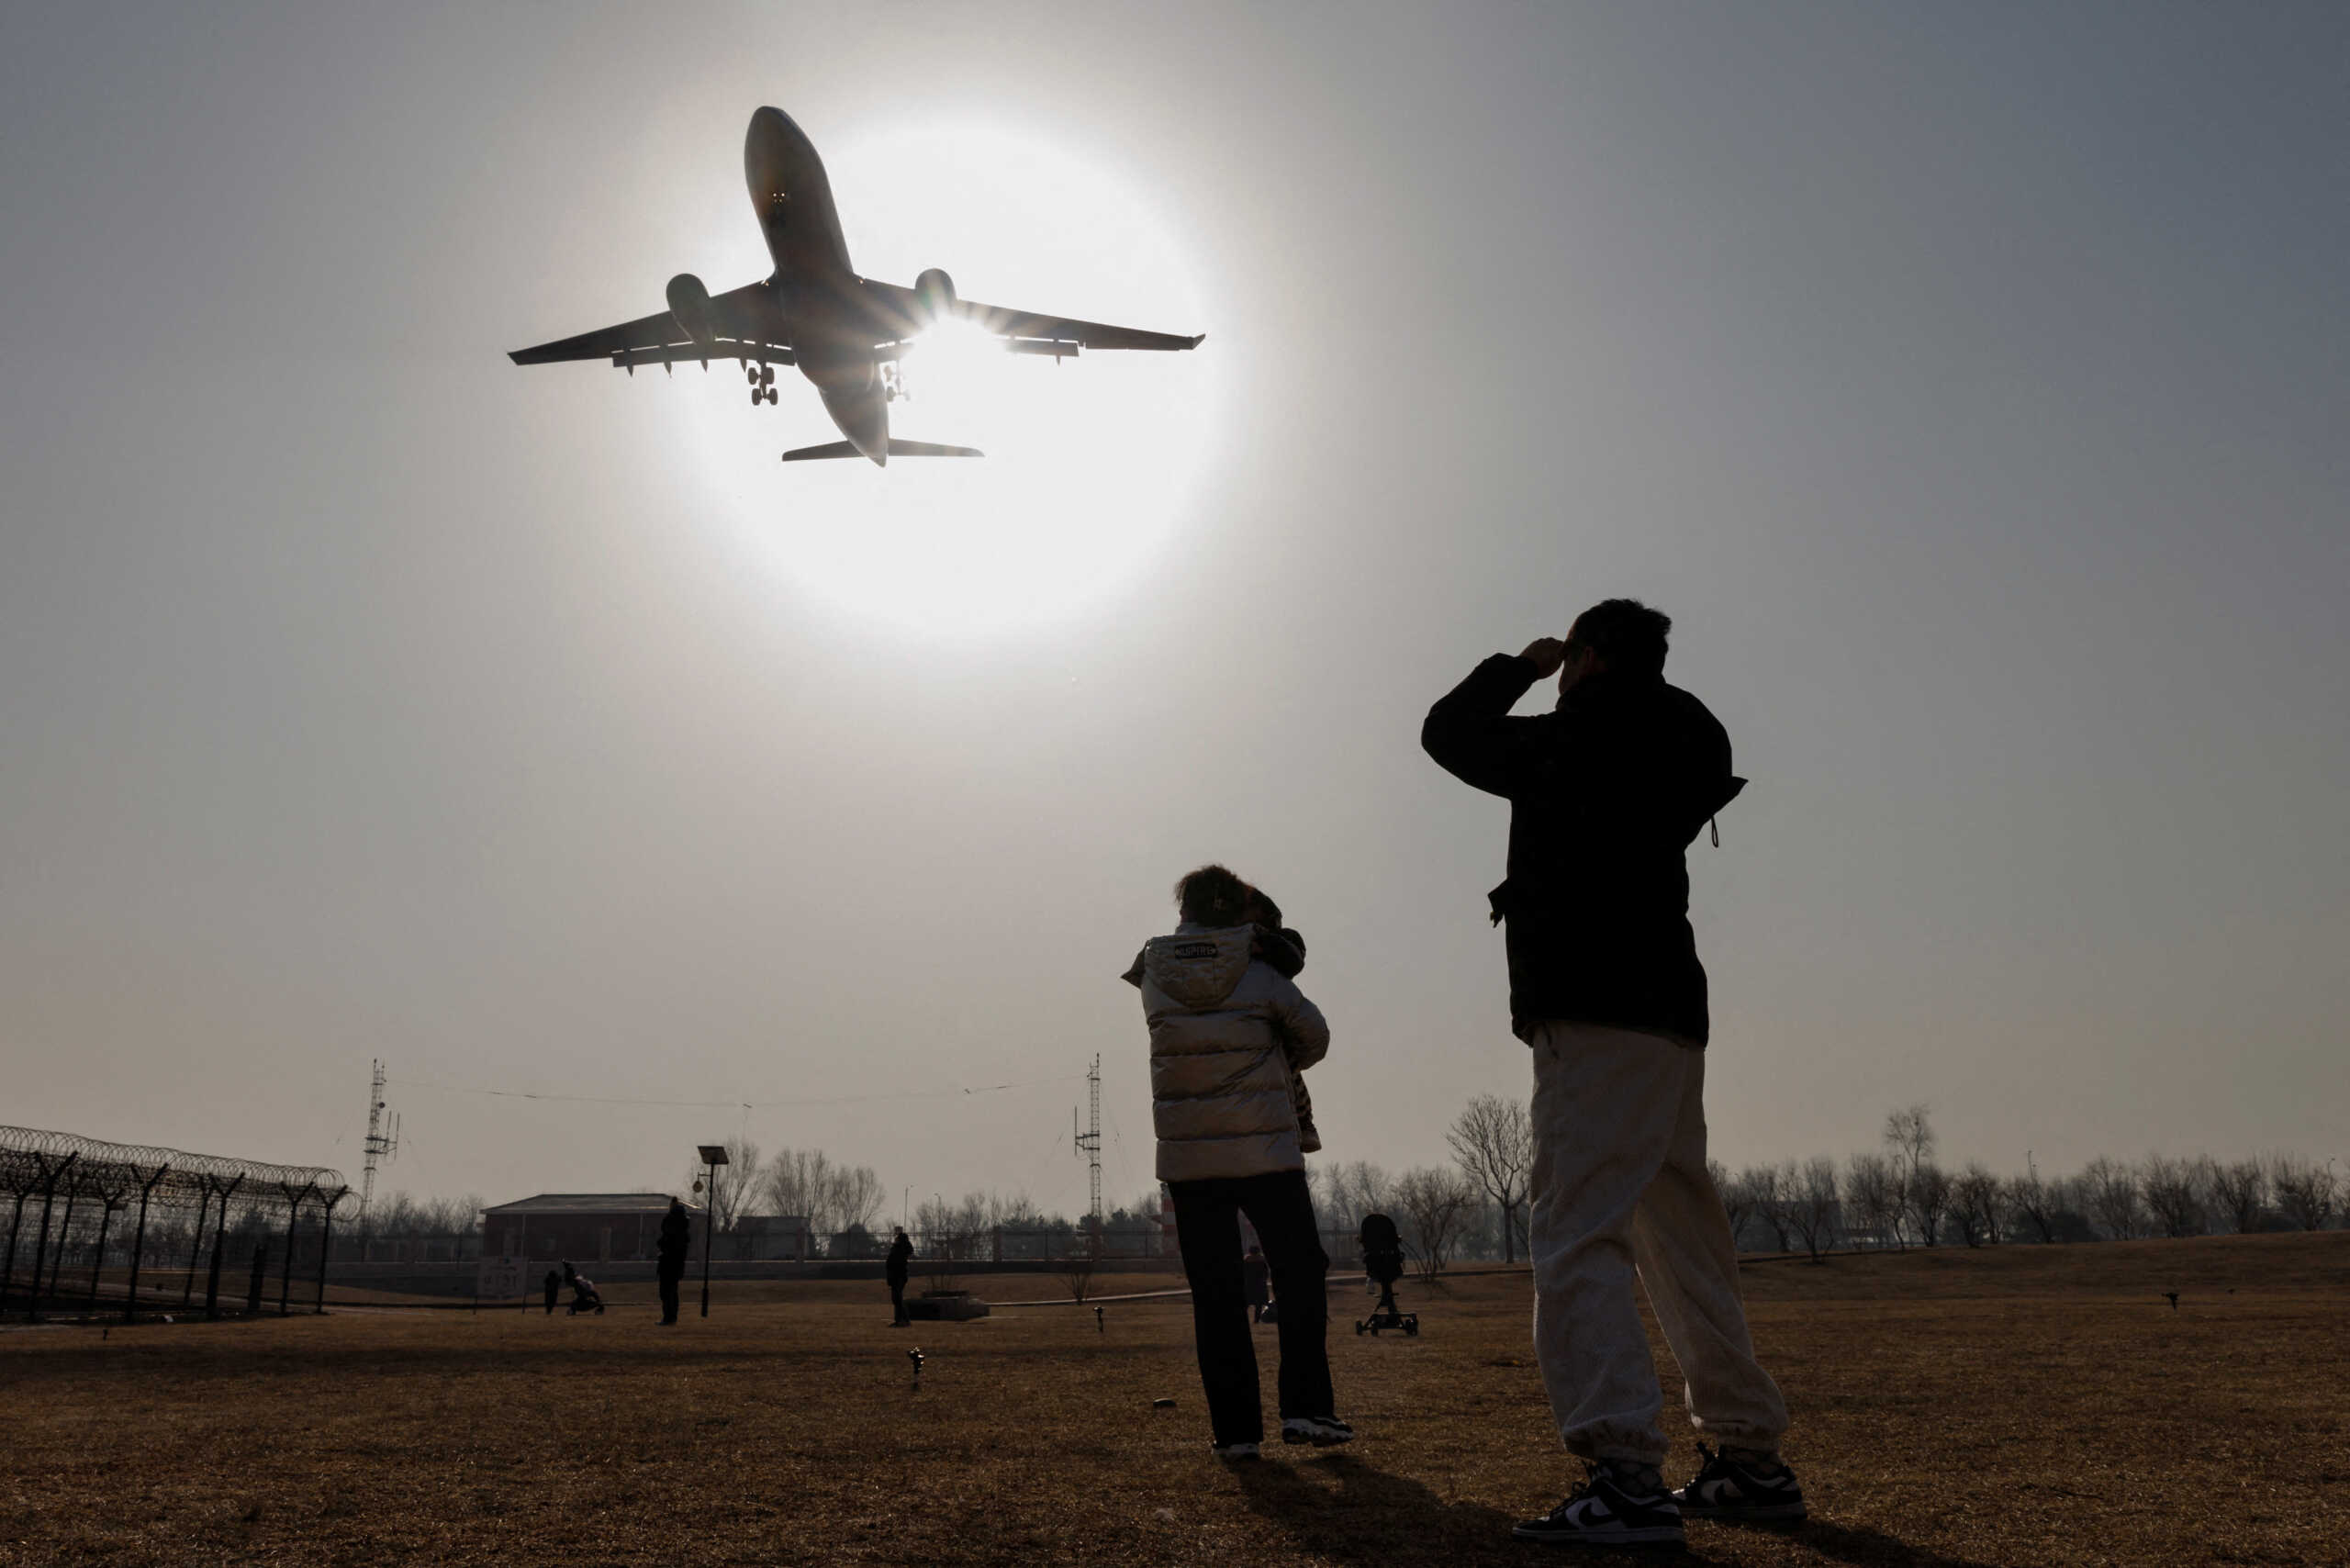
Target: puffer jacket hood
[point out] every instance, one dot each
(1198, 969)
(1226, 1032)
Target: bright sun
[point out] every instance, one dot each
(1089, 464)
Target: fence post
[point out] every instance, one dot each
(293, 1218)
(139, 1244)
(8, 1273)
(40, 1246)
(219, 1242)
(326, 1247)
(195, 1239)
(97, 1265)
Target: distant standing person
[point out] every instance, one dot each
(670, 1249)
(1227, 1033)
(902, 1252)
(1606, 793)
(1255, 1278)
(551, 1285)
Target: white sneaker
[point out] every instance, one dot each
(1231, 1453)
(1320, 1430)
(1615, 1505)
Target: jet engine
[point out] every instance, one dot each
(937, 292)
(689, 303)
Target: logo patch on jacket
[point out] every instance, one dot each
(1195, 950)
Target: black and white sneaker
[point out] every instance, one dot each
(1320, 1430)
(1615, 1505)
(1232, 1453)
(1727, 1488)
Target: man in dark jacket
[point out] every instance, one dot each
(676, 1241)
(1605, 793)
(902, 1253)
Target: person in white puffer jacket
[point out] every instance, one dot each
(1227, 1031)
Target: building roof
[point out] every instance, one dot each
(589, 1203)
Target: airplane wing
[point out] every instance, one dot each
(658, 340)
(1031, 333)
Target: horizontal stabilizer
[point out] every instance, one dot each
(897, 449)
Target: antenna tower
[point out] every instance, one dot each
(381, 1145)
(1089, 1142)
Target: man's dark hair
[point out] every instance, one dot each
(1213, 896)
(1625, 632)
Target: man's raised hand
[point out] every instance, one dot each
(1546, 654)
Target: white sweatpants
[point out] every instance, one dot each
(1619, 1187)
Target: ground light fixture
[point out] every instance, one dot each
(713, 1155)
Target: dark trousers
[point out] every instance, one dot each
(668, 1296)
(1207, 1228)
(898, 1317)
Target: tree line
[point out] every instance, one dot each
(1896, 1195)
(1901, 1195)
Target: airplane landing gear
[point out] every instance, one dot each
(893, 382)
(761, 380)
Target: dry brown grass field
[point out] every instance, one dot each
(2007, 1407)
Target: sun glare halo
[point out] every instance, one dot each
(1089, 464)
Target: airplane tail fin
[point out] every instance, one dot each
(897, 449)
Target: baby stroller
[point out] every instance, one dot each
(583, 1294)
(1382, 1260)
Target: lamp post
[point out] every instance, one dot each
(713, 1155)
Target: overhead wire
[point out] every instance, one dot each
(958, 1092)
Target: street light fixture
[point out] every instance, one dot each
(713, 1155)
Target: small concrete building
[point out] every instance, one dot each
(768, 1236)
(580, 1225)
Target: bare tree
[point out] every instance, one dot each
(856, 1196)
(1909, 1141)
(1346, 1191)
(1873, 1196)
(2111, 1189)
(1493, 1143)
(2239, 1192)
(1929, 1198)
(2174, 1192)
(1077, 1272)
(1738, 1204)
(832, 1197)
(1433, 1199)
(730, 1185)
(2306, 1191)
(1768, 1186)
(1975, 1205)
(1812, 1208)
(2031, 1205)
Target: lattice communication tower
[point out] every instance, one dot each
(383, 1140)
(1089, 1143)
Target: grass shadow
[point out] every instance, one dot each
(1377, 1521)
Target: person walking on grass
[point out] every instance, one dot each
(1606, 792)
(1227, 1033)
(670, 1249)
(901, 1258)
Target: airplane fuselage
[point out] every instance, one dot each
(814, 312)
(821, 306)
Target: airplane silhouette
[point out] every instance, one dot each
(847, 333)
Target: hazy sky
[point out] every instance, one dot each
(1969, 383)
